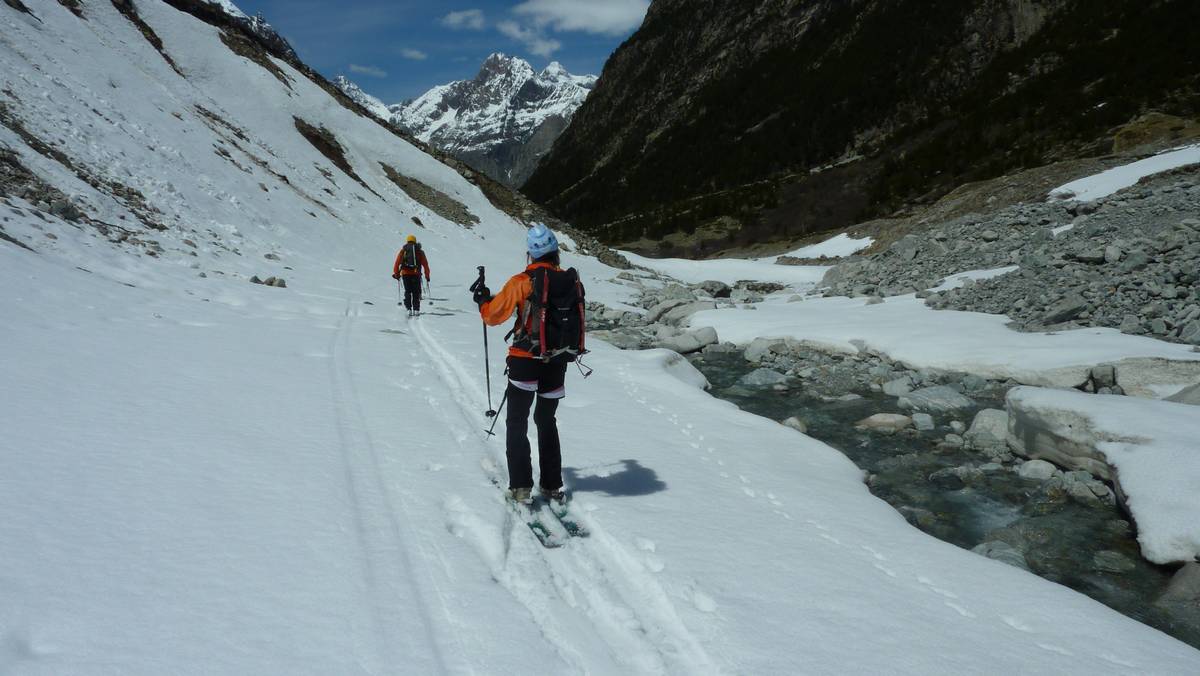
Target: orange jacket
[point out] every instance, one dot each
(408, 272)
(512, 297)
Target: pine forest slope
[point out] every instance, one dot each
(769, 119)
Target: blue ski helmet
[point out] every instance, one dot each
(540, 240)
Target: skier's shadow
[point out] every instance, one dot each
(626, 478)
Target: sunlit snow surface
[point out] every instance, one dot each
(1118, 178)
(207, 476)
(838, 246)
(907, 330)
(730, 270)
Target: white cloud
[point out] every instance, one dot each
(532, 38)
(413, 54)
(372, 71)
(608, 17)
(467, 19)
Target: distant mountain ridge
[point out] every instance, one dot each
(503, 120)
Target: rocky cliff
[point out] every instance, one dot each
(769, 119)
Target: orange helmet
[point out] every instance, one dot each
(411, 238)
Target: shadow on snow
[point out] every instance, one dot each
(626, 478)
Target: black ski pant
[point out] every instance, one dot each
(532, 380)
(412, 292)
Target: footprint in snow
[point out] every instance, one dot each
(872, 552)
(935, 589)
(1049, 647)
(885, 570)
(703, 602)
(1017, 624)
(961, 611)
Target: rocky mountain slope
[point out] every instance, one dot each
(773, 118)
(502, 121)
(1128, 261)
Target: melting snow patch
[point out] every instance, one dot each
(837, 246)
(1118, 178)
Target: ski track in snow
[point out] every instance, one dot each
(381, 519)
(598, 583)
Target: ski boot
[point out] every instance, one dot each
(556, 496)
(521, 496)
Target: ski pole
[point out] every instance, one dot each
(400, 292)
(496, 416)
(487, 367)
(428, 292)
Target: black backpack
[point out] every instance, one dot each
(410, 259)
(553, 320)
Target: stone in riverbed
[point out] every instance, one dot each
(953, 441)
(923, 421)
(763, 378)
(1184, 586)
(898, 387)
(1038, 470)
(1109, 561)
(662, 308)
(1105, 375)
(682, 312)
(988, 430)
(936, 399)
(887, 423)
(716, 289)
(1002, 552)
(693, 341)
(796, 424)
(760, 347)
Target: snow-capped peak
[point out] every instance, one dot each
(504, 105)
(372, 104)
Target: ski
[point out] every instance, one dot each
(562, 512)
(533, 516)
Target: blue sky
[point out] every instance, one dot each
(397, 49)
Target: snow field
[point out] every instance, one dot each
(1107, 182)
(838, 246)
(908, 331)
(731, 270)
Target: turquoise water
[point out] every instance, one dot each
(1059, 537)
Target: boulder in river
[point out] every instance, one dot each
(936, 399)
(763, 378)
(1003, 552)
(989, 430)
(888, 423)
(1038, 470)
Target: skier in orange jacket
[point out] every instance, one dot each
(537, 367)
(409, 263)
